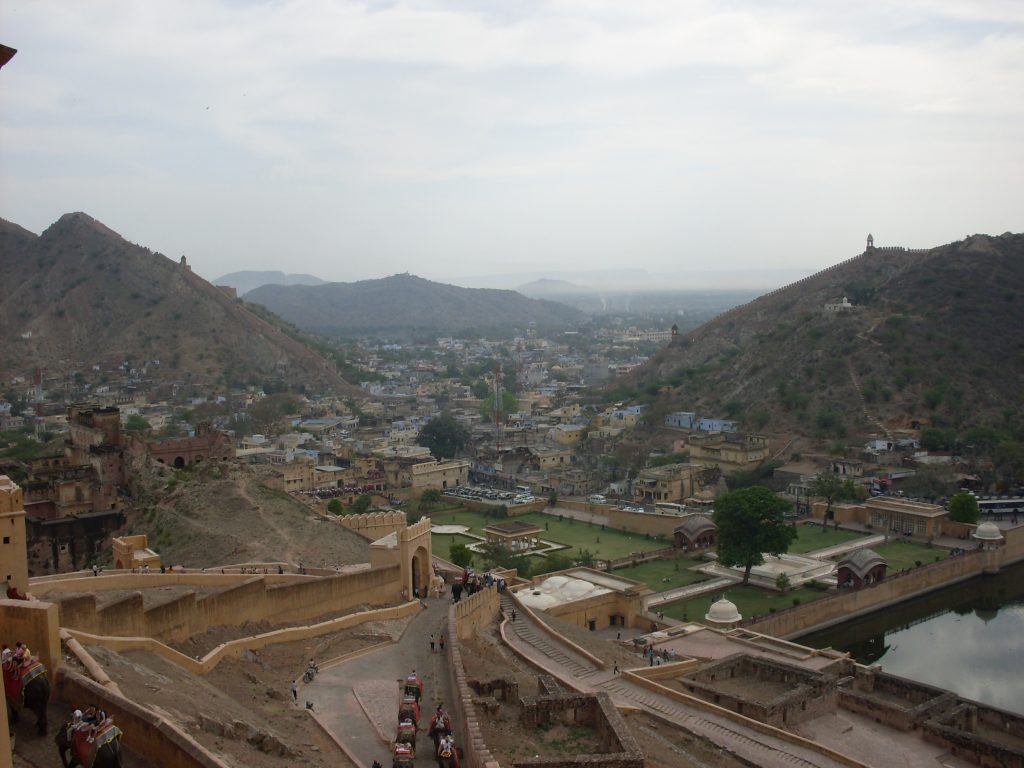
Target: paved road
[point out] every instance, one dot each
(357, 700)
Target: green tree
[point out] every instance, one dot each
(553, 499)
(929, 482)
(136, 423)
(444, 436)
(429, 499)
(334, 507)
(480, 389)
(461, 555)
(362, 503)
(751, 523)
(498, 555)
(963, 508)
(782, 583)
(832, 488)
(1009, 462)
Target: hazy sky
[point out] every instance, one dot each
(359, 139)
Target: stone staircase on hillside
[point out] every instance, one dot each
(864, 403)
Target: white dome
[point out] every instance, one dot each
(553, 583)
(988, 532)
(723, 611)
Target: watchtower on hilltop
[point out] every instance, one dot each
(871, 243)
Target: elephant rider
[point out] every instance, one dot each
(446, 748)
(7, 656)
(22, 654)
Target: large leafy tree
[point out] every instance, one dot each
(444, 436)
(963, 508)
(751, 523)
(832, 488)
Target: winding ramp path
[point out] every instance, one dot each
(576, 671)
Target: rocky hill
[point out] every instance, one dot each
(933, 336)
(407, 302)
(248, 280)
(79, 295)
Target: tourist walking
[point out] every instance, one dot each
(441, 639)
(295, 691)
(431, 642)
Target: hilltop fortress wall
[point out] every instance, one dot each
(889, 250)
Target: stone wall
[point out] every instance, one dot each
(895, 701)
(465, 724)
(808, 695)
(34, 623)
(956, 731)
(257, 598)
(157, 740)
(374, 525)
(236, 648)
(652, 523)
(476, 612)
(619, 748)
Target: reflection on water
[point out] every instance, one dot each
(968, 638)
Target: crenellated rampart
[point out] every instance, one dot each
(374, 525)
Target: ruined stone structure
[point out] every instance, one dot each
(763, 689)
(207, 444)
(552, 705)
(133, 552)
(73, 501)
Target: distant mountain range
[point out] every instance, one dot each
(80, 294)
(248, 280)
(545, 288)
(933, 336)
(407, 302)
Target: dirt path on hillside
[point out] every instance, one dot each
(288, 552)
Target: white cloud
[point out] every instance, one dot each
(370, 123)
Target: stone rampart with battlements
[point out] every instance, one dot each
(374, 525)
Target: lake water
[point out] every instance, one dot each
(968, 638)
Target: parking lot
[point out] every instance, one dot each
(491, 495)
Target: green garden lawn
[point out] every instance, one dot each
(441, 543)
(605, 544)
(812, 537)
(660, 575)
(904, 554)
(750, 601)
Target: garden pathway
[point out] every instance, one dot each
(847, 546)
(687, 592)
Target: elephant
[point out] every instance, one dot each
(75, 750)
(27, 688)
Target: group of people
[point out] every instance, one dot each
(19, 656)
(87, 722)
(472, 582)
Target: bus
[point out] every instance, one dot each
(988, 505)
(669, 508)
